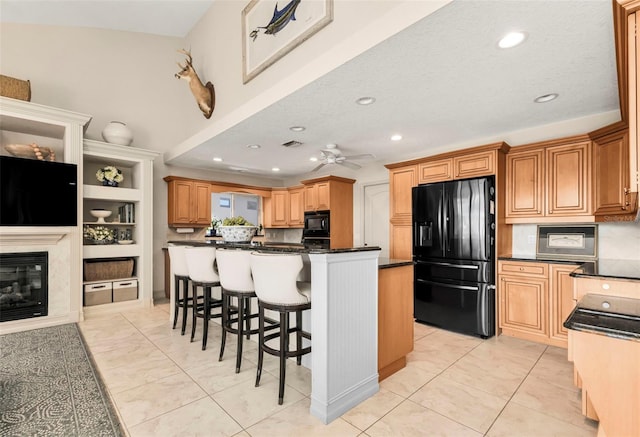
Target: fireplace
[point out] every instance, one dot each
(23, 285)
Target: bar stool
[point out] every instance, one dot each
(234, 269)
(274, 277)
(200, 262)
(181, 276)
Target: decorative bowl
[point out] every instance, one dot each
(237, 234)
(100, 214)
(125, 241)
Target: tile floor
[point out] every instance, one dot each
(453, 385)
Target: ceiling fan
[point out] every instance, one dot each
(332, 155)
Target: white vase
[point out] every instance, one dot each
(117, 132)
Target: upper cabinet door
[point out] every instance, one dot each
(324, 196)
(202, 211)
(310, 197)
(180, 211)
(474, 165)
(569, 179)
(435, 171)
(296, 207)
(612, 174)
(279, 207)
(401, 181)
(525, 183)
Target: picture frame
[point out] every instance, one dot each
(567, 242)
(269, 31)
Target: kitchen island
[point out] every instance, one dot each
(344, 322)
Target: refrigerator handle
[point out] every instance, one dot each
(445, 220)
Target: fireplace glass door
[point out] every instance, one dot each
(23, 285)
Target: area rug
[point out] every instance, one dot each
(49, 386)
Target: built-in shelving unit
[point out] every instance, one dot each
(137, 190)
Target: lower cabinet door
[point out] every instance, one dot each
(524, 306)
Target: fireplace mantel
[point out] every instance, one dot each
(23, 235)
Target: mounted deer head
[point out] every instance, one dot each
(204, 94)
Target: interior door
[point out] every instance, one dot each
(376, 217)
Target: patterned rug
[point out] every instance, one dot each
(48, 386)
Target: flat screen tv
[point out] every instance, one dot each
(37, 193)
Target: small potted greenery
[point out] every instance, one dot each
(110, 176)
(237, 230)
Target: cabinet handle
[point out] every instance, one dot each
(550, 211)
(522, 269)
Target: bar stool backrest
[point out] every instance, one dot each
(274, 277)
(234, 268)
(178, 260)
(200, 262)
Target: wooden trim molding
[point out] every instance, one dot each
(328, 178)
(501, 146)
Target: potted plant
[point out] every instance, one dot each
(98, 234)
(237, 229)
(110, 176)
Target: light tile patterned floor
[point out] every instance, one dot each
(453, 385)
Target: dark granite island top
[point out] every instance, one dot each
(277, 247)
(610, 268)
(613, 316)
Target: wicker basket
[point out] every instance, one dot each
(98, 270)
(15, 88)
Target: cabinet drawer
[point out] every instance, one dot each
(97, 294)
(523, 268)
(607, 287)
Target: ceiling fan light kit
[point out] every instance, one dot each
(332, 155)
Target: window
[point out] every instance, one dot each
(225, 205)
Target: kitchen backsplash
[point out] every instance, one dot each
(615, 240)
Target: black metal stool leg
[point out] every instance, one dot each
(206, 316)
(241, 316)
(226, 303)
(195, 307)
(260, 342)
(284, 347)
(299, 336)
(176, 302)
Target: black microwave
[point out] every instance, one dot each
(316, 224)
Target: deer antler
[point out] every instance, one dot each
(187, 53)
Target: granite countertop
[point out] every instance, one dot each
(610, 268)
(613, 316)
(386, 263)
(275, 247)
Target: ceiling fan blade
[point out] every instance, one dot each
(349, 164)
(363, 155)
(318, 167)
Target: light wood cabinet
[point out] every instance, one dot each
(561, 303)
(550, 182)
(189, 202)
(401, 181)
(633, 65)
(334, 194)
(296, 207)
(525, 180)
(317, 197)
(279, 208)
(535, 298)
(569, 180)
(435, 171)
(613, 194)
(395, 318)
(523, 300)
(475, 165)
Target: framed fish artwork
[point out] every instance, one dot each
(272, 28)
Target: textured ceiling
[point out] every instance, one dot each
(440, 82)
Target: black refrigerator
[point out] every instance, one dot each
(453, 251)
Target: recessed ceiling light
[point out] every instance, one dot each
(253, 146)
(396, 137)
(313, 158)
(216, 159)
(546, 98)
(275, 169)
(365, 100)
(297, 128)
(512, 39)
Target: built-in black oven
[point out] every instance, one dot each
(316, 224)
